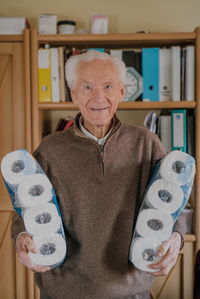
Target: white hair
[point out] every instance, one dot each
(73, 61)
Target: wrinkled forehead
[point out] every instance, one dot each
(97, 68)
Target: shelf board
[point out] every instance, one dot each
(11, 38)
(125, 106)
(116, 40)
(189, 238)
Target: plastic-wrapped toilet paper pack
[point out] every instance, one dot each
(15, 167)
(177, 172)
(164, 199)
(33, 197)
(143, 253)
(42, 219)
(50, 249)
(165, 196)
(35, 188)
(154, 223)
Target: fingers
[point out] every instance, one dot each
(24, 245)
(164, 266)
(168, 252)
(28, 244)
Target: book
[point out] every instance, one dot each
(116, 53)
(55, 89)
(190, 73)
(60, 125)
(164, 131)
(190, 134)
(179, 134)
(44, 75)
(176, 73)
(183, 73)
(61, 74)
(150, 73)
(165, 71)
(68, 124)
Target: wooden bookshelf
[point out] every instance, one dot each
(125, 106)
(129, 41)
(112, 41)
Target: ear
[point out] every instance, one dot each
(122, 92)
(73, 96)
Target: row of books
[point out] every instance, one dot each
(175, 129)
(165, 73)
(64, 124)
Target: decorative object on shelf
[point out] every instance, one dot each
(99, 24)
(66, 27)
(134, 85)
(47, 24)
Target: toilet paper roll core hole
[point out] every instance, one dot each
(43, 218)
(17, 166)
(36, 190)
(165, 196)
(179, 166)
(47, 248)
(149, 255)
(155, 224)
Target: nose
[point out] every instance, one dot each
(98, 94)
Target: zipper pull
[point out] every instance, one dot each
(102, 157)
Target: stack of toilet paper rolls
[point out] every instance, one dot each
(165, 197)
(34, 199)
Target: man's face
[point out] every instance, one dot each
(98, 91)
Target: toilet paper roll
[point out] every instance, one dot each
(165, 196)
(143, 253)
(177, 167)
(51, 249)
(15, 166)
(34, 190)
(42, 218)
(154, 223)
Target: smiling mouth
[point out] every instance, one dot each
(98, 109)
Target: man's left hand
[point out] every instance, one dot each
(169, 251)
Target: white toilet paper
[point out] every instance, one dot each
(177, 167)
(42, 218)
(51, 249)
(143, 253)
(35, 189)
(154, 223)
(165, 196)
(15, 166)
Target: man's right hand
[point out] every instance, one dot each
(24, 245)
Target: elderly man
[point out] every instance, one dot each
(99, 169)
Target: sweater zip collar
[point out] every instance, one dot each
(78, 132)
(86, 135)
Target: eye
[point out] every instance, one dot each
(87, 88)
(108, 86)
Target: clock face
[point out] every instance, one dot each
(133, 85)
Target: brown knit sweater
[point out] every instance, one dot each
(99, 194)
